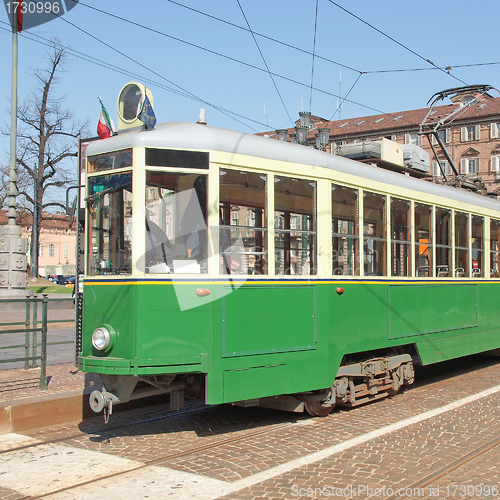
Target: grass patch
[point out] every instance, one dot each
(50, 289)
(41, 285)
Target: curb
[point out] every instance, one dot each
(58, 409)
(50, 410)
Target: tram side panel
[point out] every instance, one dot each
(173, 340)
(443, 320)
(476, 302)
(113, 305)
(270, 340)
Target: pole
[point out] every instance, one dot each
(13, 248)
(34, 234)
(12, 194)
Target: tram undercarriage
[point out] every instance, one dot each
(355, 384)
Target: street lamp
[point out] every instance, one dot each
(282, 134)
(322, 138)
(301, 131)
(305, 118)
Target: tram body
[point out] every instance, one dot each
(313, 280)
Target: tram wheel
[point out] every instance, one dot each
(316, 408)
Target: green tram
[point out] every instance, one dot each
(239, 269)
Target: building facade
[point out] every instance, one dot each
(57, 242)
(472, 139)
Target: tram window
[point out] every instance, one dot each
(443, 242)
(109, 203)
(295, 205)
(176, 159)
(494, 248)
(176, 232)
(374, 235)
(423, 240)
(243, 227)
(345, 231)
(461, 245)
(110, 161)
(400, 237)
(477, 270)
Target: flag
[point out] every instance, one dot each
(147, 115)
(20, 17)
(105, 127)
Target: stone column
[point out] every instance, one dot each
(13, 277)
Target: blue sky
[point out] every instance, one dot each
(447, 33)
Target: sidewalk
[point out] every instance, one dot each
(24, 406)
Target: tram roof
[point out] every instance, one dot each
(193, 136)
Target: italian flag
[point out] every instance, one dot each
(20, 17)
(105, 127)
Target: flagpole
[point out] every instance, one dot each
(13, 249)
(12, 194)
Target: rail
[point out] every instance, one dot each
(31, 327)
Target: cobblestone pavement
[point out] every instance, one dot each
(22, 384)
(439, 439)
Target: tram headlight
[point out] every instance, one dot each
(103, 337)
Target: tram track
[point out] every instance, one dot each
(447, 469)
(243, 433)
(104, 430)
(160, 460)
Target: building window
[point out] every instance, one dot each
(444, 135)
(495, 164)
(470, 133)
(413, 138)
(65, 251)
(51, 250)
(40, 250)
(494, 130)
(439, 167)
(469, 165)
(234, 216)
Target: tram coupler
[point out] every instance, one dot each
(103, 401)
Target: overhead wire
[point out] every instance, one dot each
(144, 79)
(314, 51)
(185, 93)
(262, 36)
(154, 72)
(264, 59)
(221, 55)
(342, 100)
(395, 41)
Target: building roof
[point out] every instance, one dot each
(486, 108)
(50, 221)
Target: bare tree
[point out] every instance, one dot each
(47, 138)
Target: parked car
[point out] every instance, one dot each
(70, 281)
(59, 279)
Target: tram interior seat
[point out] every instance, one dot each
(459, 272)
(423, 271)
(442, 271)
